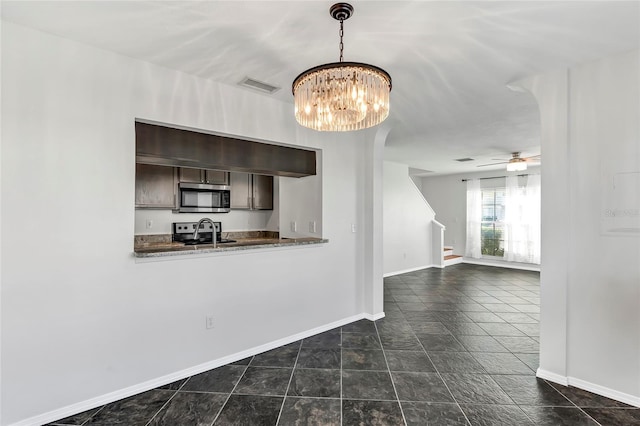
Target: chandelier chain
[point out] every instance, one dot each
(341, 35)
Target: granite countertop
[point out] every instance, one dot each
(161, 245)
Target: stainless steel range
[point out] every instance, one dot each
(184, 232)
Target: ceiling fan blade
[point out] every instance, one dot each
(492, 164)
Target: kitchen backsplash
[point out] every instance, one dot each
(158, 222)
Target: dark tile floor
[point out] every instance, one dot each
(458, 346)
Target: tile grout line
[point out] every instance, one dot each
(166, 403)
(512, 353)
(90, 417)
(438, 372)
(286, 392)
(574, 404)
(440, 375)
(231, 393)
(443, 381)
(395, 390)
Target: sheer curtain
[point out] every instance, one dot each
(474, 219)
(522, 220)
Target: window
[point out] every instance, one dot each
(504, 222)
(492, 226)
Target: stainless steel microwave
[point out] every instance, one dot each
(203, 198)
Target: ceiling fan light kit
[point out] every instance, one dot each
(517, 165)
(341, 96)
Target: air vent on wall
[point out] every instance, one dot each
(258, 85)
(462, 160)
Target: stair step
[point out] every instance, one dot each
(452, 259)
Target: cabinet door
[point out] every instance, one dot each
(216, 177)
(262, 192)
(155, 186)
(240, 190)
(191, 175)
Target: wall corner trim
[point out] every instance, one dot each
(552, 377)
(374, 317)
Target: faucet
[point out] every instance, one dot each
(213, 225)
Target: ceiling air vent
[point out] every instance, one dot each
(258, 85)
(462, 160)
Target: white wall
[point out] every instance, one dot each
(301, 203)
(447, 195)
(407, 222)
(82, 321)
(590, 280)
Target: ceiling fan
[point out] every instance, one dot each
(516, 163)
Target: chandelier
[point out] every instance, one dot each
(342, 96)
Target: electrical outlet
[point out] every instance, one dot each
(312, 226)
(294, 226)
(353, 228)
(149, 224)
(209, 321)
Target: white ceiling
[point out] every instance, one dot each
(450, 61)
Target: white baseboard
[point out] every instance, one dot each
(374, 317)
(604, 391)
(404, 271)
(89, 404)
(552, 377)
(502, 264)
(589, 387)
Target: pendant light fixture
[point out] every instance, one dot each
(342, 96)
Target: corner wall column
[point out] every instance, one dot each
(373, 274)
(552, 94)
